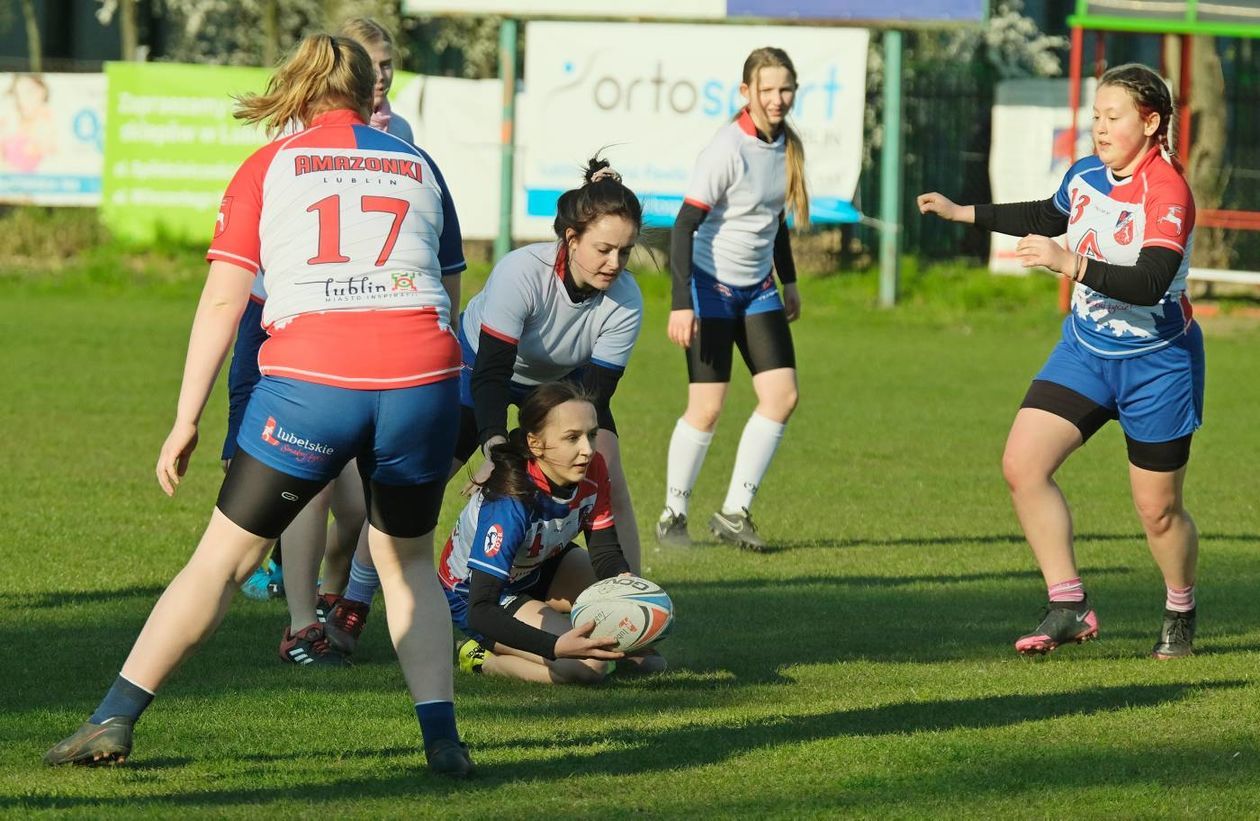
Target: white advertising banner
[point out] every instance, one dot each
(51, 138)
(458, 124)
(650, 97)
(1032, 149)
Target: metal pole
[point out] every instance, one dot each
(507, 139)
(890, 174)
(1074, 103)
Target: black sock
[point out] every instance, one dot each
(124, 700)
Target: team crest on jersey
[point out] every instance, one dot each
(723, 290)
(1173, 222)
(221, 222)
(494, 541)
(1124, 228)
(404, 282)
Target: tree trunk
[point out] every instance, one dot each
(127, 29)
(271, 32)
(1206, 170)
(34, 46)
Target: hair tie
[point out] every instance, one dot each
(605, 173)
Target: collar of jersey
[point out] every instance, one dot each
(571, 291)
(544, 484)
(338, 116)
(1147, 160)
(746, 125)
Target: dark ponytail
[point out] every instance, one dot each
(510, 477)
(1150, 94)
(602, 194)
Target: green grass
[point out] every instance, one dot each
(864, 669)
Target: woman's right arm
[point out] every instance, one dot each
(487, 617)
(214, 326)
(682, 315)
(1019, 219)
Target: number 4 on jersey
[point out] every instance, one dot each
(329, 210)
(1088, 246)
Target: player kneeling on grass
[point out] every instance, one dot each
(510, 568)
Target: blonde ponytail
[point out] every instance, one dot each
(323, 72)
(797, 194)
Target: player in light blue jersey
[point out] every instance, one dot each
(565, 309)
(1130, 350)
(729, 240)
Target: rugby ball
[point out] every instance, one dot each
(634, 611)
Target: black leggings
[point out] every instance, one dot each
(763, 339)
(264, 501)
(1089, 416)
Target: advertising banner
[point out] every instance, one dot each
(51, 138)
(172, 146)
(1032, 149)
(650, 97)
(458, 122)
(901, 11)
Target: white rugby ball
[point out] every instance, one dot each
(634, 611)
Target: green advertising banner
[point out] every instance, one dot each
(172, 146)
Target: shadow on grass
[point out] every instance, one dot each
(672, 749)
(785, 545)
(53, 599)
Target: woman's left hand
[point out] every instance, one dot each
(1034, 250)
(792, 301)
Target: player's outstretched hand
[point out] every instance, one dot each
(172, 461)
(1034, 250)
(939, 204)
(682, 327)
(578, 644)
(792, 301)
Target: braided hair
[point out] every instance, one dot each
(1151, 95)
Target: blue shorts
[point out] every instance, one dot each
(402, 437)
(717, 300)
(1158, 397)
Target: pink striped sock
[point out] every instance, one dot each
(1067, 590)
(1180, 599)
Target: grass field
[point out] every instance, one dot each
(863, 669)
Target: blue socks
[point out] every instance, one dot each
(437, 721)
(364, 583)
(124, 700)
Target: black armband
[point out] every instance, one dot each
(1142, 284)
(607, 560)
(685, 225)
(602, 382)
(1022, 218)
(784, 264)
(487, 617)
(491, 378)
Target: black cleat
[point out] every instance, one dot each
(736, 528)
(106, 743)
(311, 646)
(449, 758)
(671, 529)
(1061, 624)
(1176, 639)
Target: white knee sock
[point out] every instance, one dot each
(756, 449)
(687, 448)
